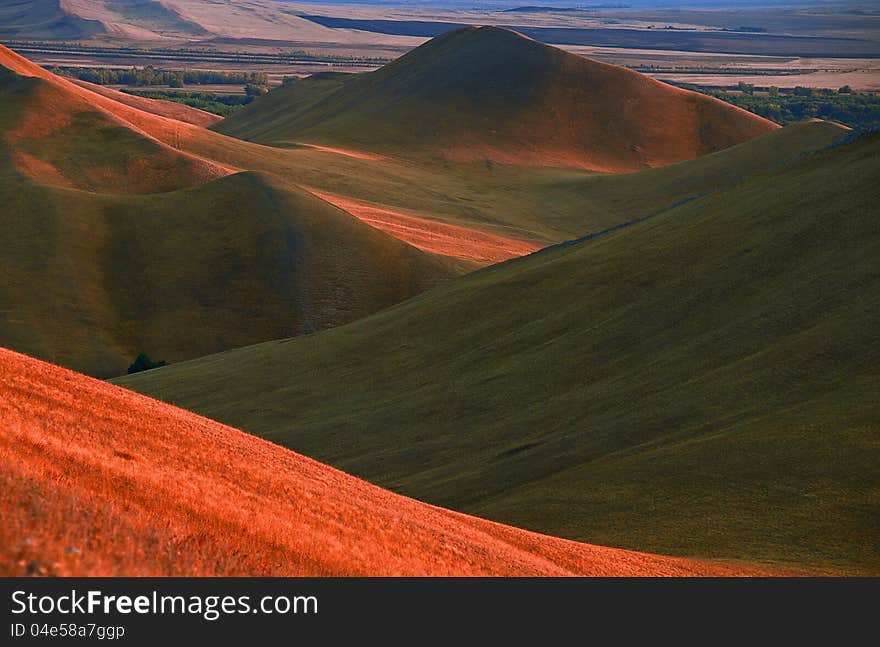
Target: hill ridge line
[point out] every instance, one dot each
(846, 139)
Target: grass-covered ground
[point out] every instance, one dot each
(94, 279)
(544, 205)
(487, 95)
(118, 243)
(702, 383)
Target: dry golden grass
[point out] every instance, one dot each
(97, 480)
(432, 236)
(61, 101)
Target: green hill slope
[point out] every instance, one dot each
(545, 205)
(702, 383)
(116, 243)
(485, 93)
(92, 280)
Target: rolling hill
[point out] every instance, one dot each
(701, 383)
(57, 132)
(118, 242)
(137, 20)
(44, 19)
(56, 137)
(203, 22)
(80, 172)
(535, 205)
(101, 481)
(136, 230)
(483, 94)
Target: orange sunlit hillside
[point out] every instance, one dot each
(97, 480)
(59, 133)
(432, 236)
(163, 128)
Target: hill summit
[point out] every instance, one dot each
(486, 93)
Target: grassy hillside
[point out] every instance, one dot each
(57, 137)
(98, 275)
(92, 280)
(702, 383)
(100, 481)
(118, 242)
(484, 93)
(544, 205)
(534, 205)
(272, 120)
(162, 105)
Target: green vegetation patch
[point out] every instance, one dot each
(149, 75)
(219, 104)
(859, 110)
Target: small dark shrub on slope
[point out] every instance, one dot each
(144, 363)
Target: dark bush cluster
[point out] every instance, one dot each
(143, 363)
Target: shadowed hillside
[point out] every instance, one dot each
(44, 19)
(119, 243)
(101, 481)
(702, 383)
(484, 93)
(98, 275)
(93, 280)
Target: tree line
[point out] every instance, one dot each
(858, 110)
(146, 76)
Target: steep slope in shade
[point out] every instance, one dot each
(701, 383)
(44, 19)
(97, 480)
(484, 93)
(96, 273)
(91, 280)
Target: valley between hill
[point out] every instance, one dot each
(701, 383)
(674, 352)
(202, 499)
